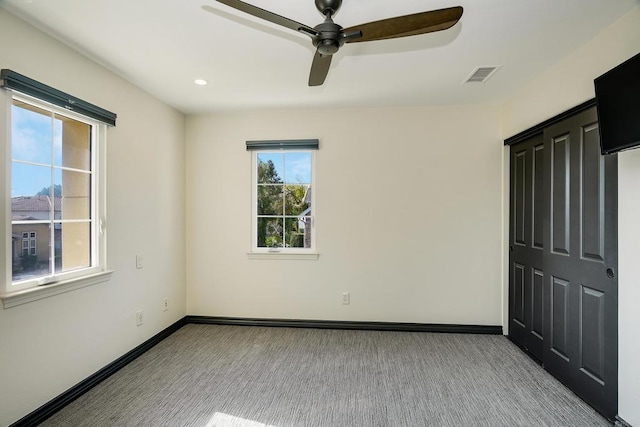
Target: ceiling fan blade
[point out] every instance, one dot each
(267, 16)
(407, 25)
(319, 69)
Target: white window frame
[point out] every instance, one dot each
(281, 253)
(21, 292)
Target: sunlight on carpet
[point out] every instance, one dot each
(225, 420)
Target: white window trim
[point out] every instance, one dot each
(15, 298)
(13, 295)
(280, 253)
(286, 256)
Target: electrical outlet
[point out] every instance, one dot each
(139, 317)
(138, 261)
(166, 304)
(346, 298)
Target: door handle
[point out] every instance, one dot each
(611, 273)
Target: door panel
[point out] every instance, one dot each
(592, 304)
(520, 196)
(582, 232)
(528, 207)
(538, 197)
(560, 197)
(559, 321)
(592, 196)
(519, 290)
(537, 304)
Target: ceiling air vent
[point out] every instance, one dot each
(481, 74)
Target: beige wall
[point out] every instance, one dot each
(408, 217)
(567, 84)
(52, 344)
(570, 81)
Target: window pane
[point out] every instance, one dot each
(29, 180)
(270, 232)
(297, 200)
(31, 133)
(73, 246)
(76, 195)
(296, 231)
(72, 143)
(26, 181)
(297, 168)
(270, 168)
(30, 257)
(270, 199)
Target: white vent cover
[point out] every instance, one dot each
(481, 74)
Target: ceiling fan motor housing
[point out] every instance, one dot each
(328, 6)
(330, 37)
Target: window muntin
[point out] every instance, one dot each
(53, 194)
(283, 200)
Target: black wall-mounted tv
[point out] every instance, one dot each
(618, 104)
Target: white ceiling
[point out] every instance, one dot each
(162, 46)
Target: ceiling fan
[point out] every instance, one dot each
(328, 36)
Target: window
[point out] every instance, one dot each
(55, 188)
(52, 185)
(29, 243)
(283, 200)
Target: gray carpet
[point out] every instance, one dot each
(235, 376)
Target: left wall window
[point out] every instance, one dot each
(54, 161)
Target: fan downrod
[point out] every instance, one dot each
(329, 7)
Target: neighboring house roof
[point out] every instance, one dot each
(33, 208)
(23, 218)
(34, 203)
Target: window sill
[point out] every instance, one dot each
(311, 256)
(12, 299)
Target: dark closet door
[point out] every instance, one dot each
(526, 245)
(580, 262)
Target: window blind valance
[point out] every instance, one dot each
(286, 144)
(11, 80)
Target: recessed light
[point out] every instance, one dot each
(200, 82)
